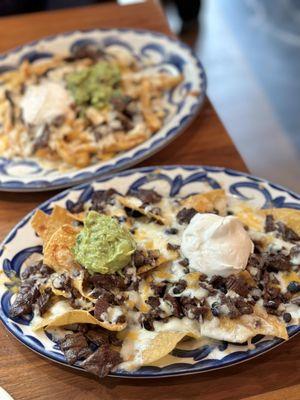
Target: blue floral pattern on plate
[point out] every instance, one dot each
(158, 51)
(22, 242)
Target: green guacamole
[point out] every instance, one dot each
(95, 85)
(103, 245)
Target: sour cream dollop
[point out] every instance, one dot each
(44, 102)
(216, 245)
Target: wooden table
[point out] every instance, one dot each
(28, 376)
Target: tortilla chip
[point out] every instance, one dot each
(58, 251)
(142, 347)
(245, 327)
(59, 217)
(39, 222)
(62, 314)
(207, 202)
(136, 204)
(45, 225)
(288, 216)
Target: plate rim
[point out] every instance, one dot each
(149, 169)
(18, 185)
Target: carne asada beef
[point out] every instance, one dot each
(185, 215)
(102, 361)
(147, 196)
(75, 347)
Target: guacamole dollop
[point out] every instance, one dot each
(95, 85)
(103, 245)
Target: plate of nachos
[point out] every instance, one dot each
(155, 272)
(83, 104)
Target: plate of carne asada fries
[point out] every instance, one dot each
(82, 104)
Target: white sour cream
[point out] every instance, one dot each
(216, 245)
(44, 102)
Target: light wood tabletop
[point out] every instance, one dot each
(27, 376)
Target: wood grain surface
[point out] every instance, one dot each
(27, 376)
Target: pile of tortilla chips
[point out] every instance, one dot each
(140, 346)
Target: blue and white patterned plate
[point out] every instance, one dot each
(161, 51)
(22, 243)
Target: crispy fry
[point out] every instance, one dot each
(152, 121)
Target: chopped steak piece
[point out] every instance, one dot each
(256, 261)
(233, 311)
(193, 308)
(101, 307)
(269, 224)
(243, 306)
(185, 215)
(96, 337)
(114, 340)
(43, 139)
(208, 287)
(43, 301)
(121, 102)
(159, 289)
(75, 208)
(172, 247)
(62, 282)
(37, 269)
(121, 319)
(272, 304)
(238, 285)
(271, 292)
(75, 347)
(139, 257)
(144, 257)
(131, 278)
(277, 262)
(107, 281)
(177, 312)
(101, 198)
(184, 262)
(286, 233)
(102, 361)
(153, 302)
(218, 282)
(147, 196)
(25, 299)
(179, 287)
(171, 231)
(146, 321)
(133, 213)
(58, 121)
(90, 50)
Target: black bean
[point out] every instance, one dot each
(294, 287)
(215, 309)
(287, 317)
(171, 231)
